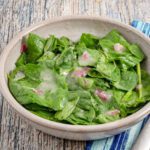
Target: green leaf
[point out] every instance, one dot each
(85, 83)
(145, 86)
(81, 116)
(108, 48)
(116, 37)
(145, 78)
(51, 44)
(129, 60)
(46, 56)
(32, 71)
(57, 100)
(136, 51)
(109, 71)
(21, 60)
(101, 83)
(89, 57)
(67, 110)
(129, 54)
(105, 118)
(94, 73)
(35, 107)
(22, 90)
(128, 81)
(35, 47)
(40, 86)
(66, 58)
(63, 43)
(72, 83)
(89, 40)
(45, 114)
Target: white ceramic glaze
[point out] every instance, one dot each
(73, 27)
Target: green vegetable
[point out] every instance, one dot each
(45, 114)
(109, 71)
(136, 51)
(116, 48)
(21, 60)
(127, 82)
(35, 47)
(89, 57)
(90, 81)
(51, 44)
(89, 40)
(67, 110)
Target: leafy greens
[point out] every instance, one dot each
(92, 81)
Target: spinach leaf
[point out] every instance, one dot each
(116, 37)
(63, 43)
(128, 81)
(51, 43)
(101, 83)
(35, 107)
(45, 114)
(81, 116)
(104, 118)
(145, 77)
(85, 83)
(35, 47)
(89, 57)
(136, 51)
(109, 71)
(21, 60)
(67, 110)
(46, 56)
(89, 40)
(66, 58)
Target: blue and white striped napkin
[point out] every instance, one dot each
(124, 140)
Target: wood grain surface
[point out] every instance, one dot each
(16, 15)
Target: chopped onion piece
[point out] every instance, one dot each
(85, 56)
(119, 48)
(103, 95)
(113, 112)
(139, 86)
(23, 48)
(81, 72)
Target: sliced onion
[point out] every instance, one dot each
(103, 95)
(139, 86)
(119, 48)
(81, 72)
(23, 48)
(113, 112)
(85, 56)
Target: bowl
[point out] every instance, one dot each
(73, 27)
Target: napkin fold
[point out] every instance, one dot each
(126, 139)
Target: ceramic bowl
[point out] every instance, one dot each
(73, 27)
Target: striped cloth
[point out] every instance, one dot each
(124, 140)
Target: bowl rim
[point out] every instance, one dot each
(122, 123)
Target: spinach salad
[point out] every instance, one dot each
(92, 81)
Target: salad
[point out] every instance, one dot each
(92, 81)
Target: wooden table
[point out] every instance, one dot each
(16, 15)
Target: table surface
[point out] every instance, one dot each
(16, 15)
